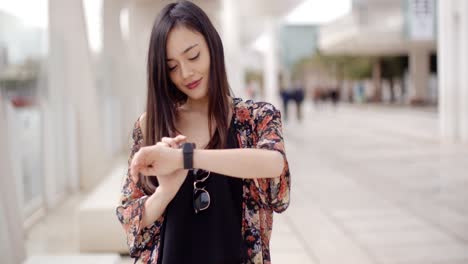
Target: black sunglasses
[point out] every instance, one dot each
(201, 197)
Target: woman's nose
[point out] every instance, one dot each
(186, 71)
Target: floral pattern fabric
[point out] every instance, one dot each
(257, 125)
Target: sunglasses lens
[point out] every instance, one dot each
(201, 200)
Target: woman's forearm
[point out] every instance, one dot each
(240, 163)
(154, 207)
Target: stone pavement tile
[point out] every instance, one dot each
(127, 260)
(441, 216)
(368, 213)
(291, 257)
(351, 201)
(461, 261)
(281, 225)
(57, 233)
(285, 243)
(324, 240)
(422, 253)
(75, 259)
(358, 225)
(402, 237)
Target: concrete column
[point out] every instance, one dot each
(232, 47)
(117, 80)
(72, 80)
(377, 80)
(11, 217)
(271, 64)
(53, 108)
(462, 71)
(448, 70)
(141, 18)
(419, 74)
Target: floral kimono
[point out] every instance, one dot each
(257, 125)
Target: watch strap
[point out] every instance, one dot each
(187, 150)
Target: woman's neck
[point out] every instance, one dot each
(200, 106)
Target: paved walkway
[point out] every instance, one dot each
(373, 185)
(369, 185)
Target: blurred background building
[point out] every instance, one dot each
(73, 82)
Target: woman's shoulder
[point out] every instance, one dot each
(139, 126)
(255, 107)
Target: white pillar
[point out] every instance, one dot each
(53, 108)
(271, 64)
(72, 82)
(141, 18)
(450, 58)
(445, 51)
(12, 245)
(419, 74)
(232, 47)
(463, 70)
(117, 81)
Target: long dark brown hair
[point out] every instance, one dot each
(164, 97)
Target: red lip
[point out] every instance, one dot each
(194, 84)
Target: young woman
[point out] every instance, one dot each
(206, 170)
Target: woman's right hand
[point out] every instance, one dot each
(169, 184)
(168, 187)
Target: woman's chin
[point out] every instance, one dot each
(197, 95)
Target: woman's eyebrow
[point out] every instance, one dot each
(189, 48)
(185, 51)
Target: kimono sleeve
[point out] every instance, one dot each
(273, 192)
(131, 207)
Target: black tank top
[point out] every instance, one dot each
(212, 236)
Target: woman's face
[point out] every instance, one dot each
(188, 62)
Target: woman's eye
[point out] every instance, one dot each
(172, 68)
(196, 57)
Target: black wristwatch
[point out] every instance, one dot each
(187, 149)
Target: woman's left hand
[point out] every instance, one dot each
(160, 159)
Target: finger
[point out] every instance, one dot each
(134, 171)
(171, 142)
(132, 164)
(137, 163)
(167, 140)
(162, 144)
(180, 139)
(180, 143)
(136, 178)
(146, 171)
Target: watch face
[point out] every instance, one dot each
(188, 147)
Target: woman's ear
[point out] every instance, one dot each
(142, 121)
